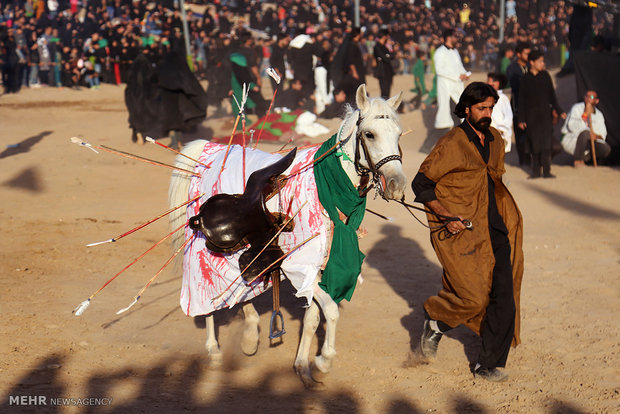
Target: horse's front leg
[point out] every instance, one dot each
(311, 321)
(249, 341)
(213, 348)
(330, 310)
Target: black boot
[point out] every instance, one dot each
(429, 341)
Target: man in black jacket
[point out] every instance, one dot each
(384, 70)
(278, 52)
(515, 72)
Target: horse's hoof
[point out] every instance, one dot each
(321, 364)
(305, 374)
(216, 361)
(318, 373)
(249, 342)
(216, 358)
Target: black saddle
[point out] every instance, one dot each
(230, 222)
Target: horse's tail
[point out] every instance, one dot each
(178, 192)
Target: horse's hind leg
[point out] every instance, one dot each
(330, 309)
(311, 321)
(213, 349)
(249, 341)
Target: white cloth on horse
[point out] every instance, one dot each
(206, 275)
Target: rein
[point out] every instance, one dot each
(443, 231)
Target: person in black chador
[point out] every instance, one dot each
(349, 70)
(537, 101)
(219, 73)
(301, 53)
(165, 98)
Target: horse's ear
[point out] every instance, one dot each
(361, 98)
(395, 101)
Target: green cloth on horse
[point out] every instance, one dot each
(337, 193)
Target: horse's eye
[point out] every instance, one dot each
(369, 135)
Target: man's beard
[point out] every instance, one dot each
(482, 124)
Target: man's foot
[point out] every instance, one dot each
(578, 164)
(549, 175)
(533, 176)
(490, 374)
(429, 341)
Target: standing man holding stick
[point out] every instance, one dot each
(482, 265)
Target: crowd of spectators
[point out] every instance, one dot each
(82, 43)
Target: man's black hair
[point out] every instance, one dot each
(535, 54)
(473, 94)
(521, 46)
(446, 33)
(499, 77)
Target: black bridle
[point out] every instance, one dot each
(373, 168)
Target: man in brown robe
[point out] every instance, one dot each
(461, 181)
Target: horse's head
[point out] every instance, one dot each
(378, 133)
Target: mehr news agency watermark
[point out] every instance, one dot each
(45, 401)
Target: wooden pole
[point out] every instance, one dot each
(592, 140)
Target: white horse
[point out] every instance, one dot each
(367, 142)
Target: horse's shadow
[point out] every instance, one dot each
(414, 278)
(264, 306)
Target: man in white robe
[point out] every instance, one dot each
(501, 118)
(585, 123)
(450, 77)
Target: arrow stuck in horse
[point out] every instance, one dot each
(153, 141)
(127, 233)
(80, 141)
(139, 295)
(81, 308)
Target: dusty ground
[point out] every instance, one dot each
(57, 197)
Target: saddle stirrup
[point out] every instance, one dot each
(273, 333)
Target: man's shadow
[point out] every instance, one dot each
(412, 276)
(415, 279)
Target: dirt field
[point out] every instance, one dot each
(58, 197)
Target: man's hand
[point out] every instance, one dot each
(589, 109)
(463, 77)
(522, 125)
(453, 227)
(563, 115)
